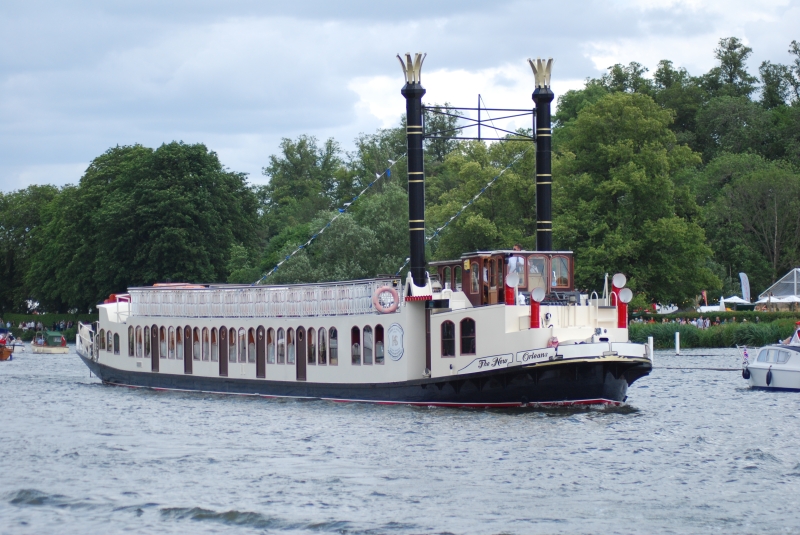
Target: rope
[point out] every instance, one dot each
(340, 212)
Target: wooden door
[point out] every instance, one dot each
(223, 352)
(154, 347)
(301, 354)
(261, 364)
(492, 283)
(187, 350)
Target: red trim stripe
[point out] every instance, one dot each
(419, 297)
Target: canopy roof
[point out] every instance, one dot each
(736, 299)
(788, 285)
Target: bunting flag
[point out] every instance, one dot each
(469, 203)
(340, 211)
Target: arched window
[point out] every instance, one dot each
(323, 347)
(291, 351)
(206, 344)
(162, 339)
(368, 345)
(355, 345)
(457, 278)
(312, 346)
(446, 280)
(188, 344)
(560, 271)
(251, 345)
(448, 339)
(101, 339)
(214, 345)
(131, 342)
(179, 343)
(379, 344)
(242, 345)
(147, 342)
(232, 345)
(139, 343)
(196, 350)
(271, 346)
(116, 344)
(281, 346)
(468, 336)
(334, 339)
(109, 341)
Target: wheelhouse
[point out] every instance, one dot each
(481, 275)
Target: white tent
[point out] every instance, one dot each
(788, 285)
(737, 300)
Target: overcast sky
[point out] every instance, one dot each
(81, 76)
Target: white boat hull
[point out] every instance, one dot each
(779, 373)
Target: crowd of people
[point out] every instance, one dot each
(39, 326)
(700, 322)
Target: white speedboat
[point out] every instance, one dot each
(775, 366)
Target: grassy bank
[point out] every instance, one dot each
(726, 335)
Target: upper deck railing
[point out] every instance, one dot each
(293, 301)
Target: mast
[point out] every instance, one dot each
(413, 92)
(543, 96)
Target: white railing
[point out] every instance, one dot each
(84, 341)
(331, 299)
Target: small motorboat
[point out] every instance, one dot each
(6, 349)
(50, 342)
(775, 366)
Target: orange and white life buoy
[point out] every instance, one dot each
(385, 308)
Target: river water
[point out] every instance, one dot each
(694, 451)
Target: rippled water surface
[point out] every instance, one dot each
(695, 451)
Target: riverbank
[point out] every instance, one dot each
(725, 335)
(48, 320)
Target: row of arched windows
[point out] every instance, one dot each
(467, 336)
(108, 341)
(280, 346)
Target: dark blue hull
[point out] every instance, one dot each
(585, 382)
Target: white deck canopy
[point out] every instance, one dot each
(787, 286)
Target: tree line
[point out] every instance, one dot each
(679, 181)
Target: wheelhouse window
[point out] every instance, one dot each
(206, 344)
(312, 346)
(457, 278)
(232, 345)
(214, 345)
(147, 342)
(475, 278)
(334, 339)
(116, 344)
(355, 346)
(251, 345)
(467, 336)
(368, 345)
(281, 346)
(196, 349)
(131, 342)
(162, 339)
(109, 340)
(379, 344)
(323, 346)
(270, 345)
(560, 271)
(291, 350)
(537, 268)
(179, 343)
(102, 339)
(446, 278)
(448, 339)
(139, 343)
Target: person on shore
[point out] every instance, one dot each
(708, 323)
(794, 339)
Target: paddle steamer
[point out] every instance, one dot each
(490, 329)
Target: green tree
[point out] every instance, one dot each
(20, 214)
(141, 216)
(734, 124)
(775, 84)
(730, 77)
(617, 207)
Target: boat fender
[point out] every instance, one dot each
(769, 376)
(746, 373)
(380, 307)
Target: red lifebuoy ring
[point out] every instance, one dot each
(380, 307)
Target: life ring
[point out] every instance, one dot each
(380, 307)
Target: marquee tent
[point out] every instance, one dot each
(788, 285)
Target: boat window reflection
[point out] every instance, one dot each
(355, 346)
(379, 344)
(131, 342)
(116, 344)
(312, 346)
(368, 345)
(448, 339)
(281, 346)
(206, 344)
(196, 350)
(162, 338)
(270, 345)
(334, 334)
(214, 345)
(147, 342)
(467, 336)
(290, 347)
(179, 343)
(251, 345)
(323, 347)
(232, 345)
